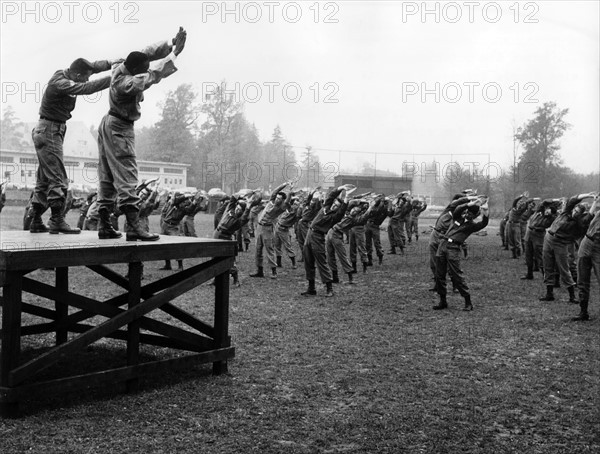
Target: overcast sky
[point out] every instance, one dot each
(409, 81)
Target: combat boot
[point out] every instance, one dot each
(37, 224)
(583, 314)
(392, 250)
(135, 231)
(572, 297)
(335, 278)
(549, 294)
(57, 222)
(380, 259)
(529, 274)
(293, 259)
(279, 265)
(370, 260)
(329, 292)
(365, 265)
(167, 266)
(311, 291)
(259, 272)
(236, 281)
(350, 279)
(105, 227)
(443, 304)
(353, 268)
(468, 304)
(274, 273)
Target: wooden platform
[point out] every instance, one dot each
(126, 317)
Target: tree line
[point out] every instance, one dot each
(223, 150)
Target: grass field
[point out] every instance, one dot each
(372, 370)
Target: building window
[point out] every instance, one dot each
(6, 159)
(150, 169)
(30, 173)
(166, 181)
(168, 170)
(28, 160)
(91, 164)
(71, 163)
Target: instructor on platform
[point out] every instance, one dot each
(117, 169)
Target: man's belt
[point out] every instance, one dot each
(171, 223)
(112, 113)
(317, 231)
(537, 229)
(458, 243)
(52, 120)
(558, 237)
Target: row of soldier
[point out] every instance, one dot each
(560, 238)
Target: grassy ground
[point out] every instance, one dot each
(373, 369)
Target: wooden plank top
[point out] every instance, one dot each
(22, 250)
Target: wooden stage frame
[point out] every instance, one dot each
(127, 316)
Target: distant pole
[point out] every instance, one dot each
(308, 148)
(375, 170)
(514, 159)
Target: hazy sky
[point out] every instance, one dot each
(406, 80)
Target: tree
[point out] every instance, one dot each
(11, 134)
(173, 136)
(540, 161)
(221, 111)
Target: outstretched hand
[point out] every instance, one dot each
(179, 41)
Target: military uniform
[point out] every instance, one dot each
(449, 252)
(417, 209)
(559, 237)
(588, 260)
(314, 246)
(117, 169)
(58, 102)
(534, 237)
(373, 233)
(265, 233)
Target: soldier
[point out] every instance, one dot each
(29, 214)
(265, 233)
(176, 207)
(117, 169)
(448, 253)
(282, 231)
(312, 206)
(503, 231)
(589, 258)
(442, 224)
(398, 213)
(221, 207)
(314, 246)
(2, 195)
(359, 212)
(513, 224)
(92, 217)
(418, 206)
(529, 210)
(58, 101)
(235, 215)
(358, 239)
(568, 226)
(84, 209)
(201, 204)
(149, 202)
(541, 219)
(373, 234)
